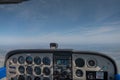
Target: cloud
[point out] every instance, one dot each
(41, 12)
(112, 23)
(100, 30)
(100, 35)
(91, 30)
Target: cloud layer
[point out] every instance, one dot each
(62, 21)
(100, 35)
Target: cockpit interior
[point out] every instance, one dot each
(59, 64)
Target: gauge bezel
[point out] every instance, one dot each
(37, 58)
(81, 61)
(90, 66)
(81, 72)
(23, 60)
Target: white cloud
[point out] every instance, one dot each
(100, 30)
(112, 23)
(85, 35)
(95, 36)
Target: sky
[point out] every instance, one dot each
(63, 21)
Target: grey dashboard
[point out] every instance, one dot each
(59, 64)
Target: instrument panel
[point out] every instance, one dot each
(59, 65)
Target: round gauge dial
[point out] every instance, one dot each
(46, 61)
(29, 70)
(46, 71)
(37, 70)
(79, 62)
(29, 60)
(37, 60)
(21, 60)
(21, 69)
(91, 62)
(79, 73)
(14, 60)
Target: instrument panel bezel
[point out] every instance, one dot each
(58, 51)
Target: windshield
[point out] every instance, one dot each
(87, 25)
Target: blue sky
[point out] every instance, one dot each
(62, 21)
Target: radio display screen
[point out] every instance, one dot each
(62, 61)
